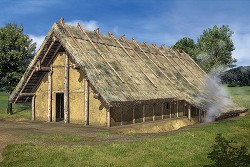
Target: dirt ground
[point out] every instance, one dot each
(12, 132)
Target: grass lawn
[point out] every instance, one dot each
(20, 111)
(187, 147)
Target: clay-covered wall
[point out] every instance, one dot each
(97, 111)
(41, 102)
(76, 92)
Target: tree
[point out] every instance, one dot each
(228, 153)
(214, 48)
(16, 50)
(186, 45)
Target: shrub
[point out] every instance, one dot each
(228, 153)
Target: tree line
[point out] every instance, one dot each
(239, 76)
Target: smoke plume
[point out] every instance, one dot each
(213, 97)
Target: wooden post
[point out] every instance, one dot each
(189, 112)
(133, 114)
(162, 110)
(177, 108)
(153, 112)
(122, 116)
(108, 117)
(143, 112)
(86, 102)
(170, 108)
(66, 90)
(33, 108)
(199, 118)
(49, 97)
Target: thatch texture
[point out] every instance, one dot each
(122, 71)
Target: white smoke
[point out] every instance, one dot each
(213, 97)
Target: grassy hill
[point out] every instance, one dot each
(239, 76)
(186, 147)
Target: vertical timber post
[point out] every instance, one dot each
(50, 96)
(33, 108)
(86, 102)
(108, 117)
(162, 110)
(133, 114)
(66, 90)
(9, 109)
(177, 108)
(189, 112)
(170, 108)
(153, 112)
(143, 112)
(122, 116)
(199, 118)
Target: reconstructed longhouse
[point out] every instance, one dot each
(81, 76)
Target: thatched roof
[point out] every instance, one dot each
(122, 71)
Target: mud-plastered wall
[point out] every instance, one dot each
(97, 111)
(41, 102)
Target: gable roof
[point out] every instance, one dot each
(122, 71)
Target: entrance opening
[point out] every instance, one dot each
(59, 107)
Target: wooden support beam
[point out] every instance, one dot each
(173, 65)
(170, 108)
(99, 52)
(153, 112)
(33, 108)
(86, 102)
(50, 97)
(50, 46)
(186, 66)
(43, 69)
(111, 52)
(108, 117)
(143, 112)
(177, 108)
(199, 118)
(139, 56)
(66, 90)
(133, 114)
(89, 58)
(75, 66)
(26, 94)
(189, 112)
(162, 110)
(122, 116)
(132, 59)
(156, 56)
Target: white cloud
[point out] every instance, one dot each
(242, 50)
(88, 25)
(38, 39)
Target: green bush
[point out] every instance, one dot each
(228, 153)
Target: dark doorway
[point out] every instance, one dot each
(59, 107)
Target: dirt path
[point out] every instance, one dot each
(12, 132)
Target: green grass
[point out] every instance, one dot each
(187, 147)
(20, 111)
(240, 95)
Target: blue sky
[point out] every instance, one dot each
(155, 21)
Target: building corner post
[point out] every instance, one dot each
(108, 117)
(66, 90)
(33, 108)
(86, 102)
(189, 112)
